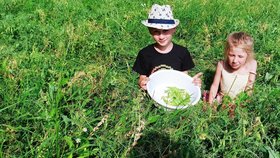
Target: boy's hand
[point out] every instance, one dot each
(197, 80)
(143, 80)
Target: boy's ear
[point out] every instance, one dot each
(174, 30)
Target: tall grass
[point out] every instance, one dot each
(67, 88)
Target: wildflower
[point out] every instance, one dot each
(100, 123)
(137, 134)
(78, 140)
(202, 136)
(85, 129)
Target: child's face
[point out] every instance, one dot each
(162, 37)
(237, 58)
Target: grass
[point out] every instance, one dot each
(67, 88)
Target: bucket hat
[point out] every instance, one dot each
(161, 17)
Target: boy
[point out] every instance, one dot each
(163, 53)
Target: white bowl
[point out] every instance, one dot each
(162, 79)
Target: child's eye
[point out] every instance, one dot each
(156, 32)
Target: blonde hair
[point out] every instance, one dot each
(240, 40)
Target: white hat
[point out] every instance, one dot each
(161, 17)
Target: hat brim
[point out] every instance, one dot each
(161, 26)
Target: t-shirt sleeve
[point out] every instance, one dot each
(139, 65)
(187, 61)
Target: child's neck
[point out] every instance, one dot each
(164, 49)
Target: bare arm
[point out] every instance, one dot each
(216, 83)
(252, 77)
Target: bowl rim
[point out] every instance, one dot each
(174, 72)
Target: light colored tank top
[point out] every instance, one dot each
(232, 84)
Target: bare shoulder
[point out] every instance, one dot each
(219, 66)
(252, 66)
(220, 63)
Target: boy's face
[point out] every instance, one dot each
(162, 37)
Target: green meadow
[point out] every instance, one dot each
(67, 88)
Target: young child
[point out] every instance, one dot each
(237, 72)
(163, 53)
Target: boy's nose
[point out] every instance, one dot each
(161, 35)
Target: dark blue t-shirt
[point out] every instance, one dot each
(149, 60)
